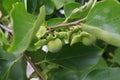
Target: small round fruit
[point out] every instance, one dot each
(54, 45)
(88, 40)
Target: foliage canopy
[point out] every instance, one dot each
(82, 39)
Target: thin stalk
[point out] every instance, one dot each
(67, 24)
(6, 29)
(33, 66)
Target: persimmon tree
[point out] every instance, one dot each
(61, 39)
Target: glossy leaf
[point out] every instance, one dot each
(104, 74)
(22, 24)
(49, 5)
(13, 68)
(82, 11)
(37, 56)
(70, 52)
(3, 67)
(105, 16)
(20, 69)
(68, 8)
(55, 21)
(39, 21)
(101, 64)
(31, 6)
(77, 74)
(68, 75)
(76, 56)
(110, 38)
(26, 24)
(60, 3)
(9, 66)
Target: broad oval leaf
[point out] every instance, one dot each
(76, 56)
(25, 27)
(104, 74)
(68, 75)
(68, 8)
(106, 15)
(32, 6)
(110, 38)
(22, 27)
(9, 66)
(49, 5)
(82, 11)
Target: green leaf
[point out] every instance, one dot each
(116, 58)
(39, 21)
(104, 74)
(110, 38)
(8, 4)
(68, 75)
(13, 68)
(26, 24)
(31, 6)
(34, 5)
(76, 56)
(68, 8)
(81, 11)
(49, 5)
(106, 15)
(22, 27)
(55, 21)
(60, 3)
(20, 69)
(38, 55)
(3, 67)
(10, 65)
(2, 9)
(101, 64)
(77, 74)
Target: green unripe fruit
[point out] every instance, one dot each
(88, 40)
(54, 45)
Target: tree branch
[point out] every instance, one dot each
(33, 66)
(6, 29)
(51, 27)
(67, 24)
